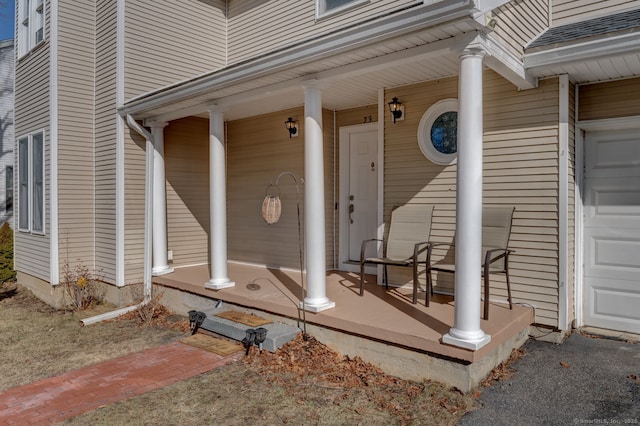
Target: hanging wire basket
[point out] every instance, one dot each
(271, 206)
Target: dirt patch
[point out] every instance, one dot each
(305, 382)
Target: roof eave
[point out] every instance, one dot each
(388, 27)
(560, 54)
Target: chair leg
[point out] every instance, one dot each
(415, 282)
(509, 289)
(361, 278)
(486, 292)
(429, 289)
(385, 277)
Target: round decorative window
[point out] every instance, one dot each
(438, 132)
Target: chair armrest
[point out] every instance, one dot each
(364, 247)
(504, 253)
(430, 250)
(416, 249)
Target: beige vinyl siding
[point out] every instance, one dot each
(105, 140)
(257, 26)
(165, 43)
(186, 152)
(75, 133)
(520, 22)
(32, 252)
(259, 148)
(620, 98)
(134, 200)
(520, 168)
(360, 115)
(568, 11)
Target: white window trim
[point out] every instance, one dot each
(322, 13)
(30, 185)
(424, 132)
(30, 13)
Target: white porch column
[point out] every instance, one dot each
(314, 223)
(466, 330)
(160, 258)
(217, 203)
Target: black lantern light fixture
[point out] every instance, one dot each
(292, 126)
(395, 106)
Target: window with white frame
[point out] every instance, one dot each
(30, 24)
(329, 7)
(31, 183)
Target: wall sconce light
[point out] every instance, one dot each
(396, 108)
(292, 127)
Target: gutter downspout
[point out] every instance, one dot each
(148, 222)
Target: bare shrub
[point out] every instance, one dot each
(152, 311)
(81, 287)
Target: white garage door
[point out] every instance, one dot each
(612, 230)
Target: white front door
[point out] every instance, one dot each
(358, 191)
(612, 230)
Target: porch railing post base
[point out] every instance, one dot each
(317, 307)
(468, 343)
(161, 270)
(219, 283)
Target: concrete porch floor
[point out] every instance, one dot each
(382, 327)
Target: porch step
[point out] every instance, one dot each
(277, 333)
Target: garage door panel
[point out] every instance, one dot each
(613, 202)
(612, 230)
(613, 252)
(614, 304)
(613, 154)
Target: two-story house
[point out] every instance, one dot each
(148, 132)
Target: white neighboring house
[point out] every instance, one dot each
(6, 130)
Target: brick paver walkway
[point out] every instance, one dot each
(73, 393)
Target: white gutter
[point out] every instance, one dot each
(148, 221)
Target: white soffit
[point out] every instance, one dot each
(585, 71)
